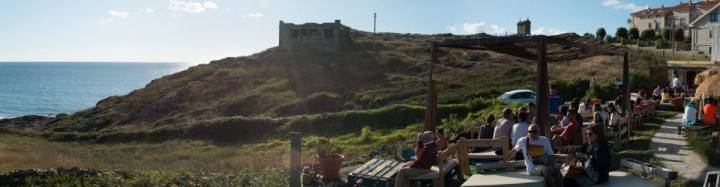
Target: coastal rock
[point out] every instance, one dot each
(26, 121)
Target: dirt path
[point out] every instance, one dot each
(673, 152)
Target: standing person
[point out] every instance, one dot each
(710, 111)
(537, 154)
(426, 152)
(519, 130)
(554, 101)
(597, 159)
(690, 115)
(504, 128)
(487, 129)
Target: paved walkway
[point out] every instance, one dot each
(673, 152)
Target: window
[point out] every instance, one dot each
(313, 33)
(328, 33)
(709, 50)
(649, 25)
(294, 33)
(710, 34)
(713, 16)
(304, 32)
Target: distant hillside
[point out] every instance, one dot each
(276, 84)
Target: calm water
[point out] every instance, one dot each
(49, 88)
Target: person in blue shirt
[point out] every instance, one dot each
(554, 101)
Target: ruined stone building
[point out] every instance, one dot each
(326, 37)
(523, 27)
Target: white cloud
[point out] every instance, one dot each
(119, 14)
(452, 29)
(210, 5)
(619, 5)
(546, 31)
(149, 10)
(256, 14)
(478, 27)
(191, 7)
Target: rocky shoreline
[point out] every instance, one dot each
(30, 120)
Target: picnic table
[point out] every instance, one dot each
(376, 172)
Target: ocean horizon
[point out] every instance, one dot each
(53, 87)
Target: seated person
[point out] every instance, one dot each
(567, 133)
(504, 128)
(440, 139)
(614, 119)
(665, 96)
(426, 155)
(537, 152)
(519, 130)
(710, 112)
(690, 115)
(486, 130)
(585, 106)
(597, 159)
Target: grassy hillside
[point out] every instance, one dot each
(276, 89)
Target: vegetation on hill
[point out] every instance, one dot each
(274, 90)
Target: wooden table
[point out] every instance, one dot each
(376, 172)
(504, 179)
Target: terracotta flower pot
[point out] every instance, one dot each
(330, 166)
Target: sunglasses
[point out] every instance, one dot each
(532, 131)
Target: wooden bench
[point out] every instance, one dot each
(376, 172)
(644, 170)
(438, 172)
(502, 143)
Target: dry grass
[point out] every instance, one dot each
(23, 152)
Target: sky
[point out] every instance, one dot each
(198, 31)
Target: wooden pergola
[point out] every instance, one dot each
(591, 48)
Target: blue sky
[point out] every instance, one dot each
(197, 31)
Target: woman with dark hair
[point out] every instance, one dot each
(596, 155)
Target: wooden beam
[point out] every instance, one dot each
(626, 92)
(295, 157)
(457, 43)
(542, 116)
(644, 169)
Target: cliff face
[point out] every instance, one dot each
(276, 84)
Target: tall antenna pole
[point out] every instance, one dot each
(374, 22)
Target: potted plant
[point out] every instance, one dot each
(329, 159)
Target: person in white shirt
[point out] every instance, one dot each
(585, 106)
(614, 119)
(520, 129)
(675, 82)
(538, 152)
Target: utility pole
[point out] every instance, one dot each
(374, 27)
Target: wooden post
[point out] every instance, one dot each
(626, 92)
(543, 114)
(295, 157)
(430, 108)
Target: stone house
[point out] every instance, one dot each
(325, 37)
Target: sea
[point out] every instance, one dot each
(51, 88)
